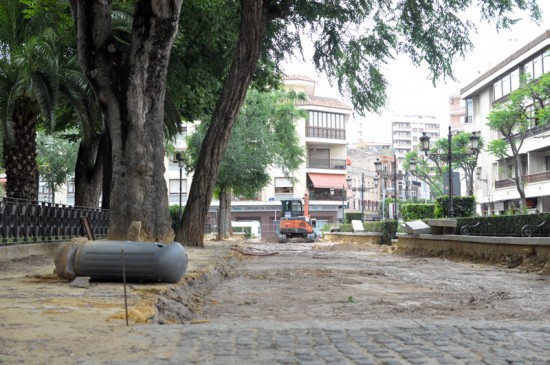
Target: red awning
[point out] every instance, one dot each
(327, 180)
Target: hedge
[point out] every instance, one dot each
(463, 206)
(413, 211)
(505, 225)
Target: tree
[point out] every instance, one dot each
(129, 80)
(264, 136)
(429, 32)
(432, 170)
(56, 159)
(524, 109)
(28, 93)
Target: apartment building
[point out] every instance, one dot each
(494, 186)
(407, 129)
(322, 175)
(457, 112)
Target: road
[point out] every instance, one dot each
(307, 304)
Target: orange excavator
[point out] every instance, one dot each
(295, 221)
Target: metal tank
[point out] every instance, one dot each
(143, 261)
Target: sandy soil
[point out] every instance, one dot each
(45, 320)
(326, 281)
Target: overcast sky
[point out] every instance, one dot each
(410, 90)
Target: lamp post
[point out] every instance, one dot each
(362, 189)
(384, 174)
(343, 202)
(179, 158)
(474, 147)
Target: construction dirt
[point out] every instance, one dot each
(44, 319)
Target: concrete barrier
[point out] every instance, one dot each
(18, 251)
(361, 237)
(477, 246)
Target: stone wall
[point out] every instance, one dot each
(477, 247)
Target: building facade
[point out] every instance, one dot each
(495, 184)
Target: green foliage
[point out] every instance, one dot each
(247, 231)
(506, 225)
(463, 206)
(264, 136)
(388, 228)
(412, 211)
(352, 216)
(56, 159)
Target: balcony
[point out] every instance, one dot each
(528, 179)
(328, 133)
(324, 194)
(330, 164)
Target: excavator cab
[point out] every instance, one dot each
(295, 221)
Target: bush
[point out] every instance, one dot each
(174, 215)
(463, 206)
(413, 211)
(247, 231)
(387, 228)
(352, 217)
(505, 225)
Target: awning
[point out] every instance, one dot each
(327, 181)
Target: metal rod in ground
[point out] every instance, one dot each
(124, 281)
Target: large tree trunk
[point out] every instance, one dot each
(89, 174)
(131, 89)
(20, 158)
(254, 20)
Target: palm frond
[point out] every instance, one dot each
(45, 92)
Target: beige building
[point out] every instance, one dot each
(494, 186)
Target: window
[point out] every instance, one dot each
(174, 186)
(70, 187)
(283, 185)
(547, 163)
(469, 110)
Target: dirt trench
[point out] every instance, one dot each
(325, 281)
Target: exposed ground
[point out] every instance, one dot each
(43, 319)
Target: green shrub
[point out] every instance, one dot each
(413, 211)
(351, 216)
(388, 228)
(463, 206)
(505, 225)
(247, 231)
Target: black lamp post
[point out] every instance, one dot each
(474, 147)
(179, 159)
(362, 189)
(382, 171)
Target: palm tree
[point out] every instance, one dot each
(28, 93)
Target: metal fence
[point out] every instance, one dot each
(32, 221)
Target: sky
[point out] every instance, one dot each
(411, 91)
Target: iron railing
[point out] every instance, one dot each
(32, 221)
(326, 163)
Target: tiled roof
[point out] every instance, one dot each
(326, 102)
(298, 77)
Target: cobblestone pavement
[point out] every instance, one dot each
(362, 342)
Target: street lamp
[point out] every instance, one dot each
(343, 202)
(474, 148)
(179, 159)
(362, 189)
(383, 173)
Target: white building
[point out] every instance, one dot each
(494, 187)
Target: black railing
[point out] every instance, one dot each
(326, 163)
(32, 221)
(329, 133)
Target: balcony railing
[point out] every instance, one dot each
(328, 133)
(323, 194)
(332, 164)
(528, 179)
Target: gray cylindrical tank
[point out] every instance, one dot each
(143, 261)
